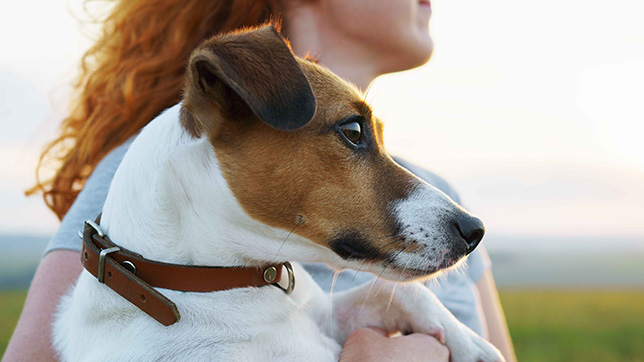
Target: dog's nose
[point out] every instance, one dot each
(471, 230)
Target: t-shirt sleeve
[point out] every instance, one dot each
(89, 202)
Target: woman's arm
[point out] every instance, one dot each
(60, 267)
(31, 340)
(497, 327)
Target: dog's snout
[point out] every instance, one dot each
(471, 230)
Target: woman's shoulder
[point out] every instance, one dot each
(89, 202)
(91, 199)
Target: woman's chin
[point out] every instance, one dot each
(425, 54)
(414, 56)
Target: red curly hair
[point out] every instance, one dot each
(133, 72)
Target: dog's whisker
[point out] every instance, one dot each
(398, 238)
(379, 276)
(375, 281)
(391, 297)
(381, 285)
(386, 266)
(405, 290)
(375, 251)
(372, 253)
(299, 222)
(335, 279)
(356, 273)
(373, 284)
(460, 268)
(405, 267)
(437, 282)
(434, 280)
(387, 238)
(395, 256)
(371, 288)
(330, 318)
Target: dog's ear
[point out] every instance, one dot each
(253, 70)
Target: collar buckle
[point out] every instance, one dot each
(104, 252)
(95, 226)
(101, 262)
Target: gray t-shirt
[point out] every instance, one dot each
(455, 289)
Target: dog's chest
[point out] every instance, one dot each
(243, 324)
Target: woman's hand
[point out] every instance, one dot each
(371, 345)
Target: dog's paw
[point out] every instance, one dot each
(472, 348)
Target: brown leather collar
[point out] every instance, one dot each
(133, 276)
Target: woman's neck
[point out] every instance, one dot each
(341, 55)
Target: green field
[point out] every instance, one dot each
(589, 325)
(10, 307)
(546, 325)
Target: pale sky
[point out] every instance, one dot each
(533, 110)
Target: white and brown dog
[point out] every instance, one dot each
(272, 159)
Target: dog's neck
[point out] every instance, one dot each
(169, 202)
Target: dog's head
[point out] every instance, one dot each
(300, 150)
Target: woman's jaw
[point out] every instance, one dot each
(360, 39)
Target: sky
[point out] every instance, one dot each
(532, 110)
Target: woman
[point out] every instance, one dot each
(136, 70)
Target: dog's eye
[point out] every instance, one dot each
(352, 131)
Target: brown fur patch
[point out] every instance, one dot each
(311, 173)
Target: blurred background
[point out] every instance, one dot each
(534, 111)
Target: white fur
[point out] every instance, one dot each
(169, 202)
(428, 229)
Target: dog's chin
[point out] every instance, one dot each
(406, 274)
(409, 275)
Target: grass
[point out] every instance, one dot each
(10, 307)
(589, 325)
(546, 325)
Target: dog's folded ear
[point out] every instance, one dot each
(253, 70)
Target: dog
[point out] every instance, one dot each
(268, 159)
